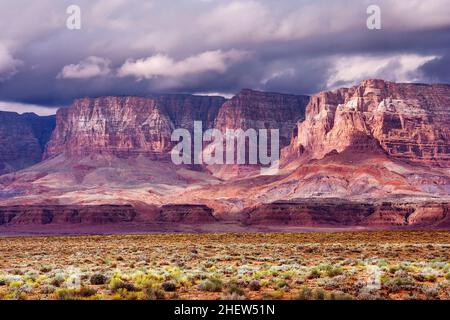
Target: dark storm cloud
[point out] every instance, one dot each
(205, 46)
(437, 70)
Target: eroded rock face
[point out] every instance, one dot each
(54, 214)
(120, 126)
(256, 110)
(408, 121)
(186, 213)
(183, 110)
(426, 213)
(340, 213)
(310, 212)
(22, 139)
(128, 126)
(251, 109)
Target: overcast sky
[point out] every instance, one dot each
(138, 47)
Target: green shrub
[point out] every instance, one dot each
(334, 272)
(431, 277)
(233, 296)
(314, 274)
(277, 294)
(394, 269)
(339, 296)
(399, 283)
(282, 284)
(211, 285)
(65, 294)
(116, 284)
(234, 288)
(154, 293)
(307, 293)
(45, 269)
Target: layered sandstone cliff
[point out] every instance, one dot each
(408, 121)
(187, 213)
(129, 126)
(248, 112)
(251, 109)
(75, 214)
(331, 212)
(22, 139)
(184, 109)
(21, 215)
(120, 126)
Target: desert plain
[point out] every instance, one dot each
(306, 266)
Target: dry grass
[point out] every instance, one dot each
(408, 265)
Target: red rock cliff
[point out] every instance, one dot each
(127, 126)
(262, 110)
(408, 121)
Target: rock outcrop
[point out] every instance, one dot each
(22, 139)
(410, 122)
(343, 213)
(57, 214)
(309, 212)
(186, 213)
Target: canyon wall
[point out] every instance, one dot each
(409, 122)
(251, 109)
(22, 139)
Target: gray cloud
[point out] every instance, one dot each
(8, 65)
(141, 47)
(437, 70)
